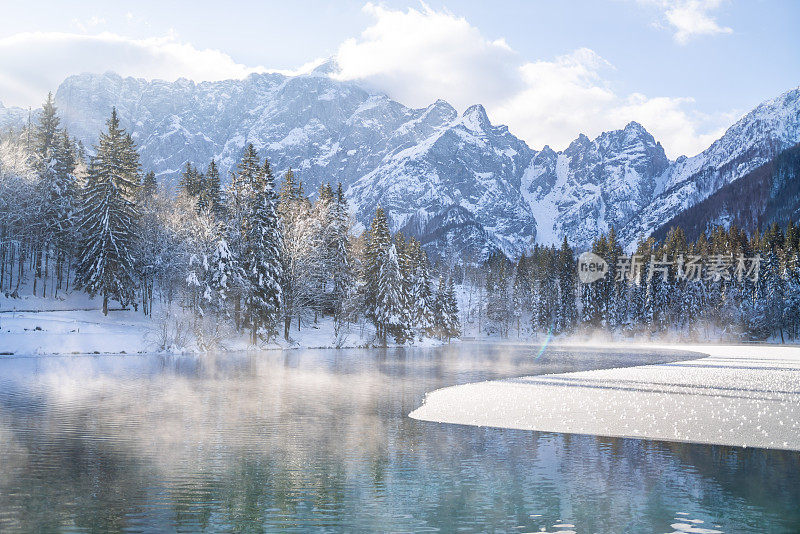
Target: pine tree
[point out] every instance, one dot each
(421, 302)
(46, 222)
(383, 282)
(447, 323)
(190, 182)
(340, 267)
(63, 203)
(212, 191)
(263, 248)
(46, 133)
(238, 201)
(567, 294)
(406, 264)
(226, 278)
(149, 185)
(377, 245)
(109, 217)
(498, 304)
(522, 292)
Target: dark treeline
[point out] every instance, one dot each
(251, 256)
(766, 195)
(727, 285)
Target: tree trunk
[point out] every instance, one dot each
(69, 264)
(237, 317)
(105, 302)
(37, 270)
(254, 333)
(2, 266)
(44, 278)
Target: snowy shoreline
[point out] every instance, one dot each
(33, 326)
(737, 395)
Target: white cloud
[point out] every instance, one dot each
(690, 18)
(423, 54)
(417, 56)
(33, 63)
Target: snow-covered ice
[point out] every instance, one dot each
(739, 395)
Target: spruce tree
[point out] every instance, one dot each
(391, 308)
(149, 185)
(377, 245)
(190, 181)
(109, 218)
(263, 248)
(421, 299)
(448, 324)
(212, 191)
(567, 281)
(341, 265)
(225, 280)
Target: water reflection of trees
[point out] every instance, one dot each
(254, 442)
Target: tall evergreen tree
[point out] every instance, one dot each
(522, 292)
(149, 185)
(263, 247)
(567, 282)
(448, 324)
(212, 191)
(109, 217)
(421, 299)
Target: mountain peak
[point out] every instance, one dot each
(475, 118)
(327, 67)
(634, 126)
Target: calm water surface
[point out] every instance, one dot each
(320, 441)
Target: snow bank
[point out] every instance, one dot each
(737, 395)
(74, 324)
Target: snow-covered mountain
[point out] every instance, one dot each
(454, 180)
(466, 163)
(772, 127)
(13, 116)
(417, 163)
(593, 184)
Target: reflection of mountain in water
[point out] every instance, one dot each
(320, 440)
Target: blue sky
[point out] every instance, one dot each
(686, 69)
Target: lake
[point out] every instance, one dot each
(320, 441)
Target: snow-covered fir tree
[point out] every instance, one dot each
(447, 323)
(567, 285)
(262, 259)
(109, 218)
(383, 282)
(421, 300)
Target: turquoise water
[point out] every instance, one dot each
(320, 441)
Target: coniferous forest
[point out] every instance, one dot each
(258, 254)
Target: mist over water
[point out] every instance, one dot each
(320, 441)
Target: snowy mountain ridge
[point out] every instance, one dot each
(759, 136)
(457, 182)
(417, 163)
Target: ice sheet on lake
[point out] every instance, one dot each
(737, 395)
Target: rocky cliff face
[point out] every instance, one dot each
(757, 138)
(593, 184)
(454, 180)
(417, 163)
